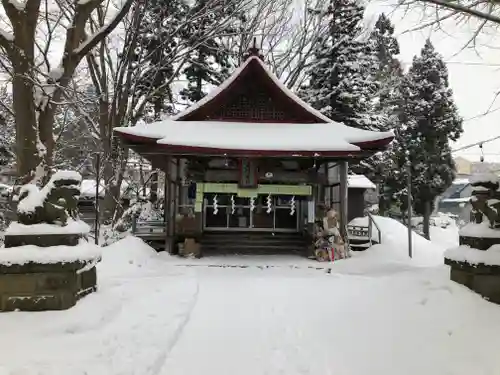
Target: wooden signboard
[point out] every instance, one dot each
(248, 174)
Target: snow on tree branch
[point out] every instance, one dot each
(38, 89)
(483, 9)
(92, 41)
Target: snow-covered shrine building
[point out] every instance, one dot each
(251, 158)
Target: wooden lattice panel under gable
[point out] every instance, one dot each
(254, 104)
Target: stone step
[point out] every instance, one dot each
(251, 240)
(257, 250)
(254, 236)
(254, 243)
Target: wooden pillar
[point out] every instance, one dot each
(343, 197)
(165, 205)
(176, 196)
(173, 214)
(326, 189)
(169, 243)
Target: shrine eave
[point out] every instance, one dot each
(189, 138)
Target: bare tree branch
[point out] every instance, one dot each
(473, 9)
(37, 89)
(95, 39)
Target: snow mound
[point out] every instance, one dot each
(394, 244)
(130, 255)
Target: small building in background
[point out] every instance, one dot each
(463, 166)
(362, 192)
(8, 175)
(456, 200)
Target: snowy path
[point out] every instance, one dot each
(127, 327)
(250, 321)
(155, 315)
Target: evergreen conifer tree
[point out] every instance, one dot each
(341, 84)
(210, 61)
(430, 120)
(162, 27)
(389, 74)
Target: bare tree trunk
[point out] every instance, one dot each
(115, 163)
(26, 126)
(427, 216)
(154, 187)
(21, 53)
(121, 102)
(142, 180)
(37, 92)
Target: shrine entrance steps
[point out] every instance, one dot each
(253, 243)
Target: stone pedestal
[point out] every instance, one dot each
(46, 267)
(38, 287)
(482, 279)
(46, 235)
(480, 243)
(42, 240)
(476, 262)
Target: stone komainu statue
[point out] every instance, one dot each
(485, 201)
(54, 203)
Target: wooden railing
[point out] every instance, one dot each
(371, 223)
(149, 230)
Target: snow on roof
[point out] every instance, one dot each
(88, 188)
(233, 77)
(455, 200)
(359, 181)
(256, 136)
(329, 136)
(460, 181)
(66, 175)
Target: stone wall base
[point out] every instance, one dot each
(42, 240)
(480, 243)
(40, 287)
(482, 279)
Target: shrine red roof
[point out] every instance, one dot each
(252, 72)
(253, 113)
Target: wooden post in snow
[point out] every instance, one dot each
(343, 198)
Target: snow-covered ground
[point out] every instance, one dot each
(376, 313)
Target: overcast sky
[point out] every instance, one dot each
(474, 78)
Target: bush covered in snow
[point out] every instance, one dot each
(141, 210)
